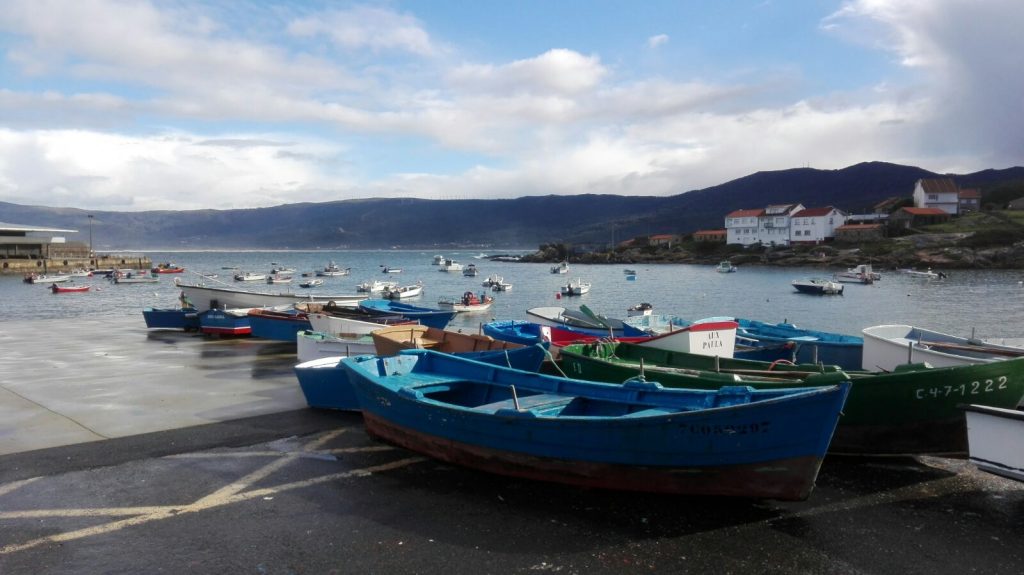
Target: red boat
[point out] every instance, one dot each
(167, 269)
(68, 289)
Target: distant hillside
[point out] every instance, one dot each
(521, 222)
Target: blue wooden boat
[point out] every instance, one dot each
(638, 436)
(427, 316)
(811, 346)
(325, 383)
(225, 322)
(279, 325)
(171, 318)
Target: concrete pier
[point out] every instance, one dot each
(127, 451)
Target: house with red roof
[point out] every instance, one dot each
(941, 193)
(970, 200)
(915, 217)
(815, 225)
(741, 226)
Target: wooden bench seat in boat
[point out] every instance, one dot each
(528, 402)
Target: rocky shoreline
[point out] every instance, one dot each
(920, 251)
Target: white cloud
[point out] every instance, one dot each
(557, 72)
(369, 27)
(658, 40)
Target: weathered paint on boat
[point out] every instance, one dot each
(812, 346)
(221, 322)
(278, 325)
(734, 441)
(325, 383)
(913, 409)
(427, 316)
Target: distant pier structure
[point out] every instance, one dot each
(25, 249)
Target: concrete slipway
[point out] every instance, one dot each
(127, 451)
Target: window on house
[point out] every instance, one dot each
(933, 197)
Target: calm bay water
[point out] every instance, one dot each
(991, 302)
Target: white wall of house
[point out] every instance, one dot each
(741, 231)
(816, 228)
(948, 202)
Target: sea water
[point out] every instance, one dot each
(987, 303)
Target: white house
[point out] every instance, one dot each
(816, 224)
(741, 226)
(940, 193)
(774, 223)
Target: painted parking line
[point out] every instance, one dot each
(235, 492)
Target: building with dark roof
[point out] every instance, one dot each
(941, 193)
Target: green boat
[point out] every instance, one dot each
(912, 409)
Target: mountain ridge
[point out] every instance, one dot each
(368, 223)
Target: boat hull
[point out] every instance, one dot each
(174, 318)
(316, 345)
(995, 437)
(887, 346)
(203, 298)
(906, 411)
(219, 322)
(276, 327)
(784, 479)
(633, 437)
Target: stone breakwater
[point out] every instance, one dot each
(16, 266)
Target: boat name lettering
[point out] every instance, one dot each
(964, 389)
(734, 429)
(711, 344)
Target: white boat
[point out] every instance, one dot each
(639, 310)
(80, 273)
(450, 265)
(403, 292)
(575, 287)
(250, 277)
(562, 268)
(862, 273)
(47, 279)
(279, 279)
(995, 438)
(390, 270)
(712, 337)
(312, 283)
(818, 286)
(344, 327)
(470, 270)
(929, 274)
(375, 286)
(438, 260)
(501, 286)
(282, 271)
(493, 280)
(332, 269)
(480, 256)
(314, 345)
(204, 297)
(469, 302)
(887, 346)
(725, 267)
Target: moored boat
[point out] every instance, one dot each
(469, 302)
(171, 318)
(250, 277)
(725, 267)
(818, 286)
(862, 273)
(167, 268)
(583, 321)
(375, 286)
(914, 409)
(225, 322)
(450, 265)
(432, 317)
(133, 277)
(470, 271)
(575, 287)
(391, 340)
(204, 297)
(562, 268)
(332, 269)
(996, 440)
(311, 283)
(278, 324)
(34, 278)
(636, 436)
(887, 346)
(403, 292)
(57, 288)
(810, 346)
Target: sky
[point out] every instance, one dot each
(182, 104)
